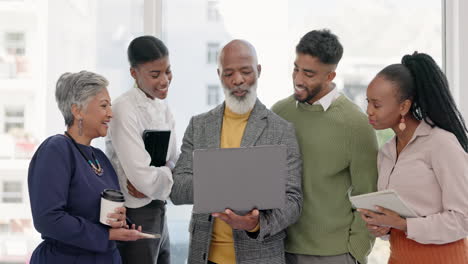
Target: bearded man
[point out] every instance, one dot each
(240, 121)
(339, 149)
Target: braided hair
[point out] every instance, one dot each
(420, 80)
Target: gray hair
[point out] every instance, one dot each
(77, 88)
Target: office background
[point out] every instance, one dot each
(41, 39)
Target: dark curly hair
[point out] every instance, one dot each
(321, 44)
(421, 80)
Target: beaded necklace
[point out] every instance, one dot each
(96, 167)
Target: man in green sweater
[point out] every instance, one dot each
(339, 151)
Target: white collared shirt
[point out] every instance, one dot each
(328, 99)
(133, 112)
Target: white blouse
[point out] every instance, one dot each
(133, 112)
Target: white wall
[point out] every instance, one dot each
(71, 47)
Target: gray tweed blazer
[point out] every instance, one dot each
(263, 128)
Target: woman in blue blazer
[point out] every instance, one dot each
(67, 175)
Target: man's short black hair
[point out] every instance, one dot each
(145, 49)
(321, 44)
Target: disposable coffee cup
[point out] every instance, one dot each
(110, 199)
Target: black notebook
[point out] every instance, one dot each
(157, 143)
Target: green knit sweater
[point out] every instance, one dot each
(339, 151)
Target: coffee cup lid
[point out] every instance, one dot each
(113, 195)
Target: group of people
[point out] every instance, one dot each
(331, 152)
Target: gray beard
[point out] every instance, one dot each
(241, 105)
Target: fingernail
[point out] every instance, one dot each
(108, 215)
(108, 221)
(359, 210)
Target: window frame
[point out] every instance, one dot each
(14, 120)
(213, 94)
(455, 58)
(18, 45)
(212, 11)
(212, 52)
(12, 197)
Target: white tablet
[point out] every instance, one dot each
(388, 199)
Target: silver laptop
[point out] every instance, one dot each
(240, 179)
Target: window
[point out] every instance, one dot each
(4, 227)
(12, 192)
(15, 43)
(213, 95)
(212, 11)
(15, 55)
(13, 61)
(212, 52)
(78, 35)
(14, 118)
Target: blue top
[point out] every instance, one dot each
(65, 201)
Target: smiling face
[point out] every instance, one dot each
(153, 77)
(96, 115)
(384, 106)
(311, 78)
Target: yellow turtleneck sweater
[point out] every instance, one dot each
(222, 242)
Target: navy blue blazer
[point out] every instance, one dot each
(65, 198)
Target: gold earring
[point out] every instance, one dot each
(402, 125)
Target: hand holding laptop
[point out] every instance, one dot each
(240, 222)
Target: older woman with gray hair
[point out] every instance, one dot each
(67, 175)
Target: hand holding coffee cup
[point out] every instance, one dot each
(112, 210)
(118, 218)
